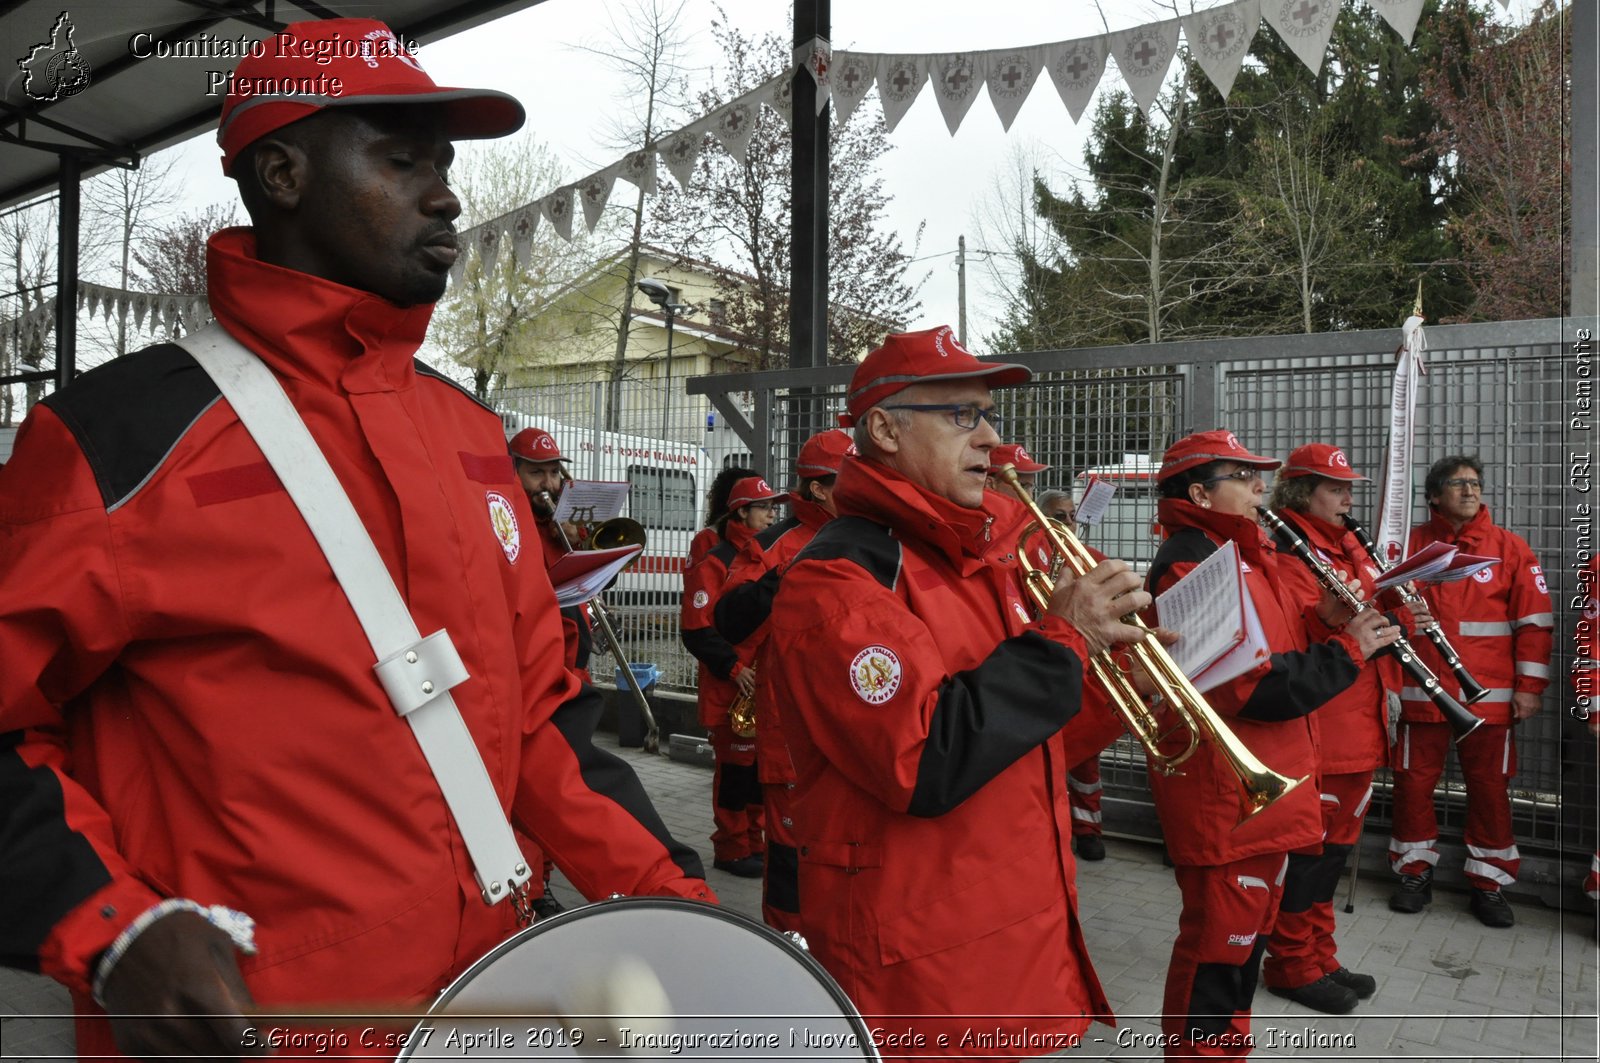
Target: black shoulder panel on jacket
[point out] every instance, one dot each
(129, 413)
(724, 552)
(856, 539)
(1185, 544)
(424, 369)
(777, 531)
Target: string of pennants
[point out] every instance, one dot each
(167, 315)
(1218, 39)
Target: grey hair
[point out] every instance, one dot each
(863, 438)
(1049, 498)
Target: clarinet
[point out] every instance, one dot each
(1461, 720)
(1471, 689)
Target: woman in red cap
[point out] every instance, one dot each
(735, 792)
(1312, 495)
(1231, 874)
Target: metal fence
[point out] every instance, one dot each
(1506, 391)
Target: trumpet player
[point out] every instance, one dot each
(924, 714)
(1312, 494)
(737, 840)
(1231, 875)
(742, 611)
(542, 471)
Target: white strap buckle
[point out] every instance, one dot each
(417, 674)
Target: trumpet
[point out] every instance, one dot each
(618, 531)
(1471, 689)
(1259, 785)
(742, 715)
(1461, 720)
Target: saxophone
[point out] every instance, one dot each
(742, 715)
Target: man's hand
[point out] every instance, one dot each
(1372, 630)
(746, 680)
(177, 991)
(1420, 616)
(1524, 704)
(1096, 602)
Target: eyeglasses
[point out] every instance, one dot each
(966, 415)
(1244, 476)
(1463, 484)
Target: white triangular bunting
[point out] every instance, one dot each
(594, 192)
(852, 76)
(817, 57)
(169, 315)
(141, 303)
(779, 95)
(956, 79)
(524, 223)
(557, 207)
(732, 124)
(680, 152)
(1144, 54)
(640, 168)
(1401, 15)
(1305, 26)
(466, 240)
(900, 80)
(93, 300)
(1219, 38)
(1075, 69)
(1010, 78)
(488, 244)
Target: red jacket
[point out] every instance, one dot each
(1267, 708)
(719, 664)
(577, 638)
(1501, 624)
(189, 700)
(931, 812)
(742, 611)
(1354, 725)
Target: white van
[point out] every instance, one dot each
(1129, 530)
(667, 484)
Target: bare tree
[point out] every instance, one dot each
(120, 206)
(27, 250)
(173, 261)
(483, 316)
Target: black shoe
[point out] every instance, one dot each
(1089, 847)
(546, 906)
(1492, 909)
(1362, 985)
(744, 867)
(1324, 995)
(1414, 894)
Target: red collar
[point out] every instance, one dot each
(872, 490)
(808, 512)
(308, 328)
(1177, 513)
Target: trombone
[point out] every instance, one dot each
(618, 531)
(1259, 785)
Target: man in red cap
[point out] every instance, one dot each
(738, 841)
(742, 611)
(1016, 455)
(1501, 623)
(213, 803)
(542, 470)
(924, 714)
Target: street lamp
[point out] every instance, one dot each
(661, 295)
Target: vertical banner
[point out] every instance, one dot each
(1395, 509)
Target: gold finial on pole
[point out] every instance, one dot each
(1416, 308)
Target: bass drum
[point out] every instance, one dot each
(723, 986)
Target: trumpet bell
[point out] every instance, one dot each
(618, 531)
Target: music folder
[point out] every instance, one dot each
(1219, 632)
(582, 574)
(1425, 564)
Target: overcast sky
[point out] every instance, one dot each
(933, 176)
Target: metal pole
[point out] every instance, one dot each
(961, 289)
(666, 406)
(808, 225)
(67, 272)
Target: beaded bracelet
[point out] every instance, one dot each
(238, 926)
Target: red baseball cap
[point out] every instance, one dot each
(535, 444)
(1013, 454)
(340, 62)
(823, 453)
(1319, 459)
(752, 489)
(1203, 447)
(908, 358)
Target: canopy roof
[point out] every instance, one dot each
(113, 107)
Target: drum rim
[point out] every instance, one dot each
(850, 1013)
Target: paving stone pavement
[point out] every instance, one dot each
(1448, 988)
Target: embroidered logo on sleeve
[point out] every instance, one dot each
(503, 519)
(875, 674)
(700, 599)
(1538, 579)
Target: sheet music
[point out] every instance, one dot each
(1462, 566)
(1096, 500)
(582, 574)
(1206, 609)
(592, 501)
(1429, 561)
(1250, 651)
